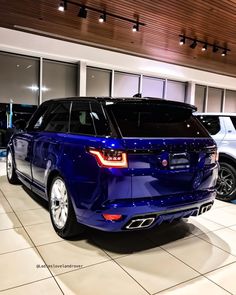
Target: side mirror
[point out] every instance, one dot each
(20, 124)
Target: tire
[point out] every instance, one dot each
(10, 168)
(226, 183)
(61, 210)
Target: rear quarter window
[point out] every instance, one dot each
(81, 120)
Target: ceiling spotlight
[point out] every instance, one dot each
(204, 47)
(61, 6)
(182, 40)
(82, 12)
(135, 28)
(102, 18)
(102, 14)
(224, 52)
(194, 44)
(215, 48)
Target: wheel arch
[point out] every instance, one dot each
(54, 173)
(10, 147)
(227, 159)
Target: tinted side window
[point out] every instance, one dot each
(100, 121)
(37, 121)
(233, 119)
(57, 120)
(81, 119)
(211, 123)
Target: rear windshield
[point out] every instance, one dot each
(155, 120)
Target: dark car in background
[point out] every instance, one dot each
(19, 112)
(115, 164)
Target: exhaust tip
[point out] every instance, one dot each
(205, 208)
(140, 223)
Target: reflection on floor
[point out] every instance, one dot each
(189, 257)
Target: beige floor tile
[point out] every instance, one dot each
(224, 238)
(4, 205)
(196, 286)
(221, 216)
(156, 269)
(8, 188)
(101, 279)
(21, 201)
(199, 225)
(231, 209)
(33, 216)
(2, 167)
(14, 239)
(8, 220)
(225, 277)
(3, 179)
(115, 255)
(77, 253)
(199, 254)
(19, 268)
(43, 287)
(233, 227)
(5, 186)
(219, 204)
(42, 233)
(16, 191)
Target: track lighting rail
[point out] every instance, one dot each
(103, 13)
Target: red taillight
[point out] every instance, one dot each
(110, 158)
(112, 217)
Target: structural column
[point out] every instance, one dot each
(190, 93)
(81, 89)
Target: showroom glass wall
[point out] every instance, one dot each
(104, 82)
(98, 82)
(59, 79)
(20, 85)
(211, 99)
(28, 81)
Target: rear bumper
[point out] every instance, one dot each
(162, 209)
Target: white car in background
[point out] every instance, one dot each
(222, 127)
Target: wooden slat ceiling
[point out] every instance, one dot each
(213, 21)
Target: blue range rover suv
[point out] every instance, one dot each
(115, 164)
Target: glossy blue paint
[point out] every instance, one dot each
(144, 188)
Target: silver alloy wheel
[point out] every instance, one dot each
(59, 203)
(9, 165)
(225, 182)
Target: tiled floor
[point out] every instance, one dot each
(190, 257)
(2, 166)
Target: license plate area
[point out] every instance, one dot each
(179, 161)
